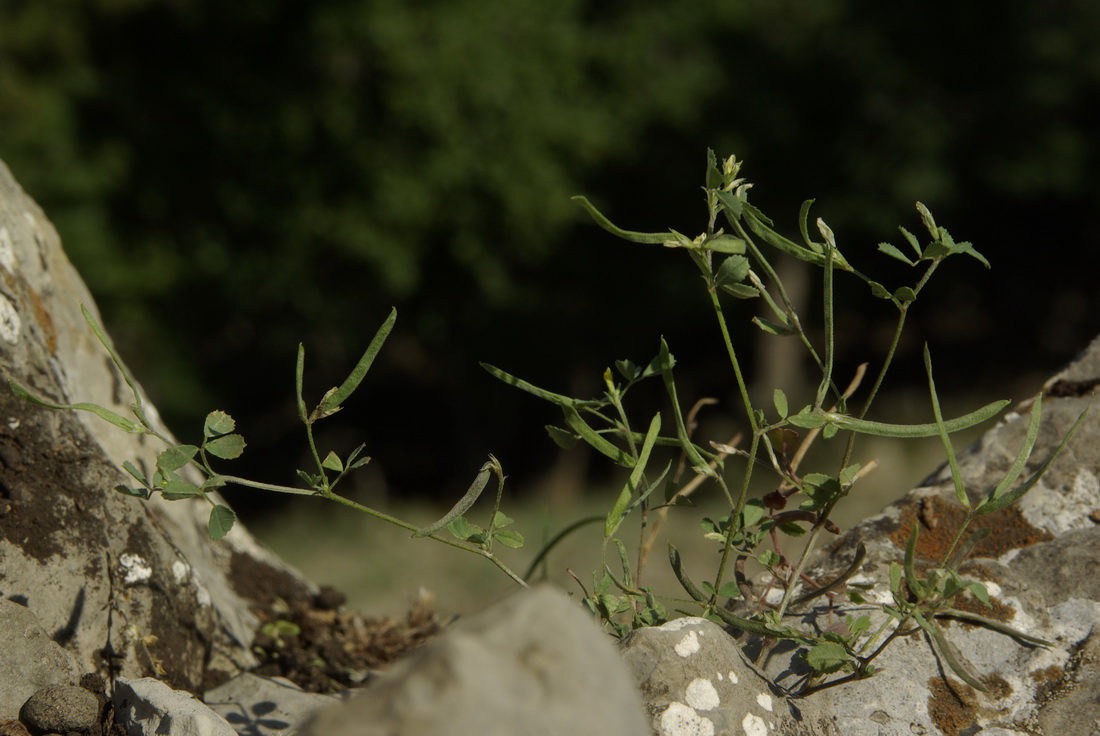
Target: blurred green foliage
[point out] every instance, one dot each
(234, 177)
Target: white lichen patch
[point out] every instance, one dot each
(754, 725)
(202, 595)
(681, 720)
(689, 645)
(10, 324)
(134, 569)
(733, 677)
(764, 701)
(179, 571)
(7, 250)
(678, 623)
(701, 694)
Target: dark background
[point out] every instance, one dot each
(233, 178)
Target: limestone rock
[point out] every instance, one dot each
(148, 707)
(265, 706)
(129, 587)
(29, 658)
(532, 664)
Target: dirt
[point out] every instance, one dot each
(324, 648)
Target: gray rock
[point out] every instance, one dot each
(148, 707)
(532, 664)
(127, 586)
(63, 709)
(263, 706)
(696, 680)
(29, 659)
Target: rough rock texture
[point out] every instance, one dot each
(129, 588)
(29, 658)
(62, 709)
(148, 707)
(1039, 564)
(265, 706)
(532, 664)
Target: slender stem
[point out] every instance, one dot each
(411, 527)
(263, 486)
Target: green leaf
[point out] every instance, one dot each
(979, 591)
(727, 244)
(139, 476)
(176, 457)
(893, 252)
(177, 490)
(138, 492)
(619, 510)
(916, 587)
(912, 240)
(847, 423)
(732, 271)
(594, 438)
(807, 419)
(107, 415)
(1014, 495)
(740, 291)
(563, 438)
(879, 291)
(509, 538)
(905, 295)
(332, 401)
(949, 448)
(332, 462)
(686, 444)
(227, 447)
(826, 657)
(780, 400)
(606, 224)
(1025, 453)
(461, 528)
(774, 328)
(218, 423)
(462, 506)
(501, 520)
(522, 385)
(627, 369)
(731, 204)
(221, 521)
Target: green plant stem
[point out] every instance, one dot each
(263, 486)
(412, 528)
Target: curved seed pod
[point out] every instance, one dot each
(463, 504)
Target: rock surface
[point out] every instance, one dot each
(127, 588)
(265, 706)
(29, 659)
(148, 707)
(532, 664)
